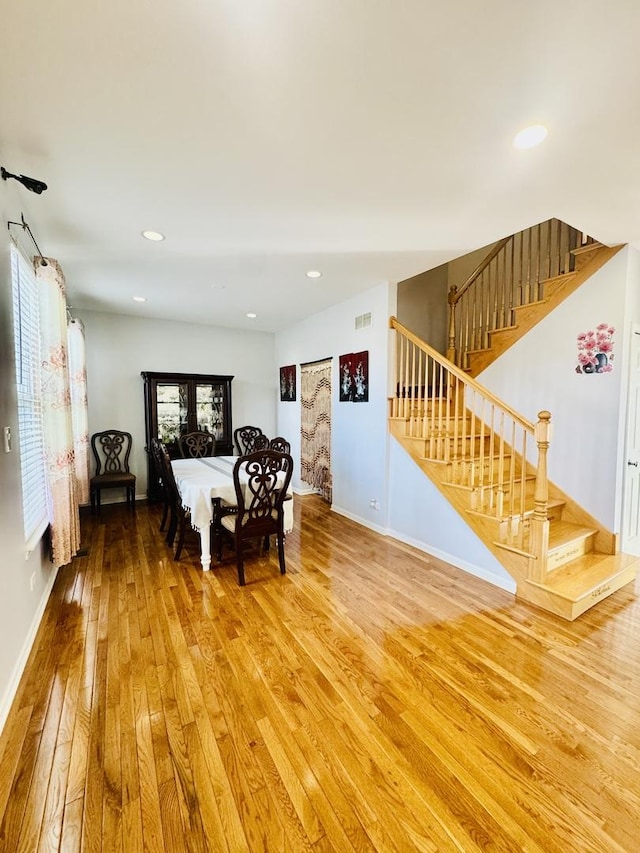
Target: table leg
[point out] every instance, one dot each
(205, 548)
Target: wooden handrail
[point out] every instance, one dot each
(454, 370)
(499, 246)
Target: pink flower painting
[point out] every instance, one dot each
(595, 350)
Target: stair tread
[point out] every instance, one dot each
(588, 247)
(562, 533)
(552, 504)
(560, 277)
(512, 328)
(584, 575)
(505, 484)
(529, 304)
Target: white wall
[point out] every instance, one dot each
(367, 463)
(359, 430)
(20, 606)
(120, 347)
(588, 411)
(422, 517)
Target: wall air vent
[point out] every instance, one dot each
(363, 321)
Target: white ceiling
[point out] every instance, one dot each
(369, 139)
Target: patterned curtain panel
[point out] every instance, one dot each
(57, 421)
(79, 415)
(315, 461)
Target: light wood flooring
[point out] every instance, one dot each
(372, 699)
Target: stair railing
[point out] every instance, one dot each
(493, 452)
(510, 277)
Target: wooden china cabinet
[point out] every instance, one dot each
(175, 403)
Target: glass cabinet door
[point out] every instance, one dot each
(210, 408)
(172, 411)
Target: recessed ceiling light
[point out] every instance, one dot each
(314, 274)
(251, 315)
(530, 136)
(156, 236)
(139, 298)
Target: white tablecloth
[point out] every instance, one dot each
(200, 480)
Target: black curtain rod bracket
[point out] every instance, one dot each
(25, 227)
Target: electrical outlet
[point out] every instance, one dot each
(374, 504)
(7, 439)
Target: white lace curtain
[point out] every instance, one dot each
(67, 475)
(79, 411)
(315, 400)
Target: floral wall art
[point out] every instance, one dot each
(288, 384)
(595, 350)
(354, 377)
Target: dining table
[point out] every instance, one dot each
(203, 481)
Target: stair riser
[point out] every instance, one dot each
(490, 495)
(468, 473)
(446, 448)
(570, 551)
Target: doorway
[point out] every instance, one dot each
(315, 426)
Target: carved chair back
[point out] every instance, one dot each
(197, 444)
(244, 438)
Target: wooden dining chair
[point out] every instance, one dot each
(261, 481)
(111, 449)
(244, 439)
(261, 442)
(280, 444)
(180, 517)
(197, 444)
(157, 449)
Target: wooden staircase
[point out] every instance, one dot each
(522, 279)
(490, 464)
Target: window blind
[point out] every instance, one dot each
(26, 324)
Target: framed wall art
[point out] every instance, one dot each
(354, 377)
(288, 384)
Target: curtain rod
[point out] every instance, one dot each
(25, 227)
(316, 361)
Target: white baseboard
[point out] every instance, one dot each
(383, 531)
(507, 584)
(305, 491)
(23, 657)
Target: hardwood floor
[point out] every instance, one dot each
(371, 699)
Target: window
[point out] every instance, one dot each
(26, 325)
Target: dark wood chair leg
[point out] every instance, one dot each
(165, 513)
(240, 560)
(180, 538)
(173, 525)
(281, 553)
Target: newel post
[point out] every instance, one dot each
(540, 520)
(451, 345)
